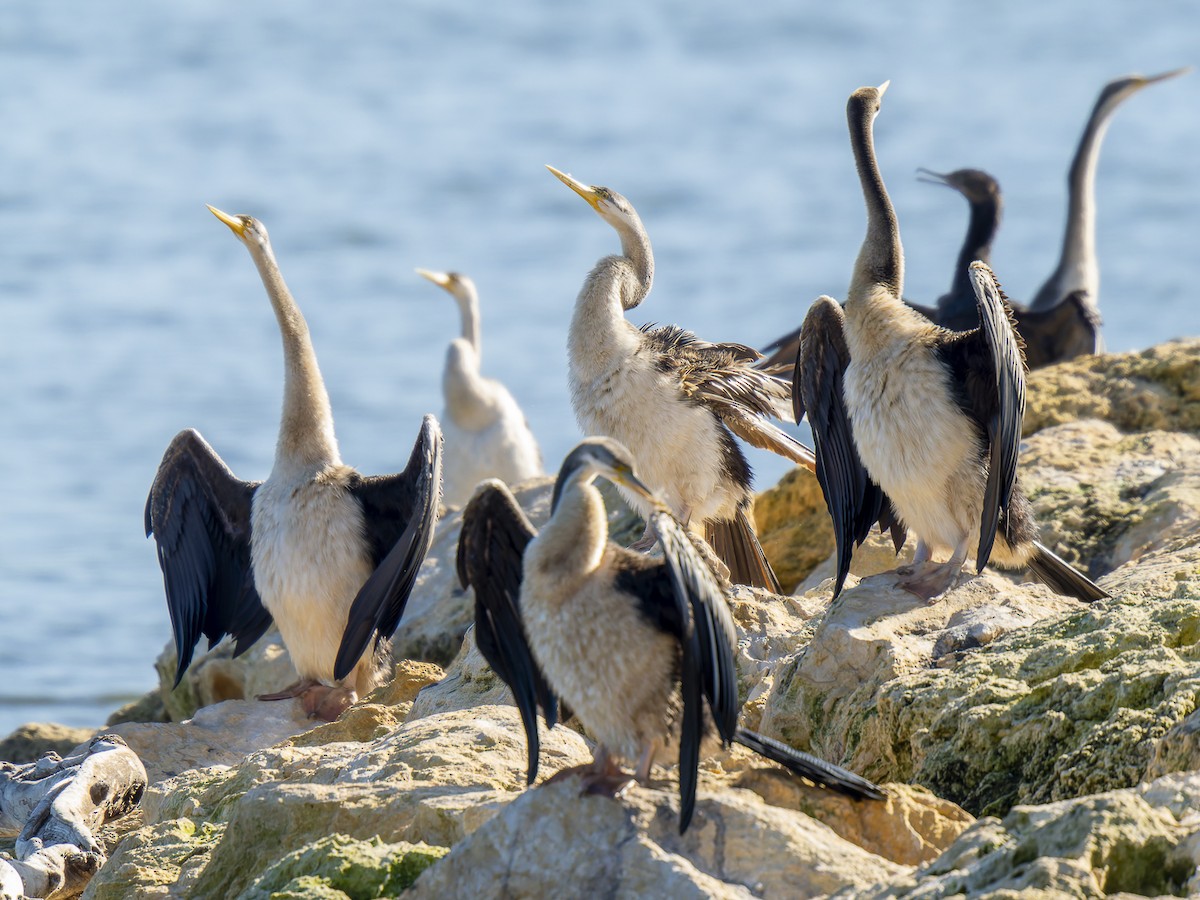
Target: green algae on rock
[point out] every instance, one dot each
(1139, 841)
(340, 866)
(1065, 707)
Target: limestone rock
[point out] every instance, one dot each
(1179, 749)
(1103, 498)
(876, 555)
(912, 826)
(33, 739)
(219, 735)
(216, 676)
(553, 842)
(793, 526)
(1148, 390)
(1139, 842)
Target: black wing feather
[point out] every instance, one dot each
(707, 663)
(491, 548)
(854, 500)
(199, 514)
(402, 509)
(1004, 354)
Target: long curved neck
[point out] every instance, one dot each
(881, 258)
(1077, 268)
(468, 398)
(635, 246)
(306, 438)
(468, 310)
(573, 541)
(981, 231)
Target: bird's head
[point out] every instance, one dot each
(1118, 90)
(248, 229)
(866, 102)
(612, 207)
(603, 457)
(974, 184)
(459, 286)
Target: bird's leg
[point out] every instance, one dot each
(919, 559)
(936, 579)
(643, 770)
(292, 690)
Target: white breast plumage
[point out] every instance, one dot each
(915, 441)
(309, 563)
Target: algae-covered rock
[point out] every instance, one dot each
(1139, 842)
(160, 860)
(147, 708)
(1155, 389)
(340, 866)
(999, 699)
(872, 634)
(1065, 707)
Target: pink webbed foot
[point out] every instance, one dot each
(601, 776)
(929, 580)
(324, 702)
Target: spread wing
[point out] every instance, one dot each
(199, 514)
(854, 500)
(491, 547)
(707, 637)
(400, 512)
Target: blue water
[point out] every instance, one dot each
(376, 137)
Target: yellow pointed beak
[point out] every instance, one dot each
(237, 226)
(626, 478)
(883, 87)
(1174, 73)
(441, 279)
(578, 187)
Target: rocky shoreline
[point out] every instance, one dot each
(1031, 745)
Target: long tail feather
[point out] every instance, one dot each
(736, 545)
(1064, 578)
(826, 774)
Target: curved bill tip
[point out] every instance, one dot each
(441, 279)
(237, 226)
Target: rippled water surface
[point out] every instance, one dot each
(376, 137)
